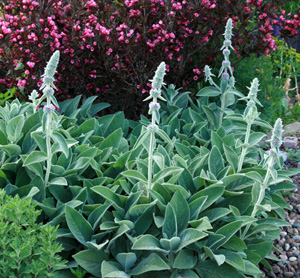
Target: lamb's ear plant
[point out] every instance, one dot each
(153, 128)
(154, 107)
(226, 89)
(138, 204)
(249, 116)
(49, 108)
(270, 158)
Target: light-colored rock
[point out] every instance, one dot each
(290, 129)
(290, 142)
(292, 259)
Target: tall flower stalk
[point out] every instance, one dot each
(226, 70)
(249, 116)
(154, 107)
(226, 73)
(270, 159)
(49, 108)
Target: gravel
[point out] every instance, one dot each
(288, 243)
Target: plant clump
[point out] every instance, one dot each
(27, 249)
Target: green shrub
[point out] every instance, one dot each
(273, 71)
(27, 249)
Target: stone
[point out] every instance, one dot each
(296, 225)
(291, 129)
(281, 242)
(290, 230)
(290, 142)
(294, 264)
(287, 247)
(284, 234)
(288, 274)
(271, 274)
(292, 259)
(276, 269)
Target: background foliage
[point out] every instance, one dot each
(111, 45)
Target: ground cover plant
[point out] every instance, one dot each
(112, 44)
(186, 193)
(27, 249)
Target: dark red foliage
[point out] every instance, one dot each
(112, 48)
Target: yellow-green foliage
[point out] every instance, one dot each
(27, 249)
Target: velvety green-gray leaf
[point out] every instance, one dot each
(79, 227)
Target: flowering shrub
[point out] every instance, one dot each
(288, 27)
(114, 47)
(187, 194)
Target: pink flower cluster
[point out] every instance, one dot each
(103, 42)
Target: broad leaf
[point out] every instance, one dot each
(90, 260)
(151, 263)
(79, 227)
(181, 210)
(11, 149)
(220, 259)
(14, 128)
(211, 269)
(147, 242)
(233, 258)
(135, 175)
(127, 260)
(209, 92)
(228, 231)
(255, 138)
(185, 259)
(112, 270)
(215, 161)
(169, 171)
(170, 223)
(231, 157)
(211, 117)
(190, 236)
(35, 157)
(58, 138)
(112, 140)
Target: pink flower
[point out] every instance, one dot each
(21, 83)
(91, 4)
(109, 51)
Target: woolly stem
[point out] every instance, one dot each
(261, 195)
(245, 147)
(151, 149)
(48, 144)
